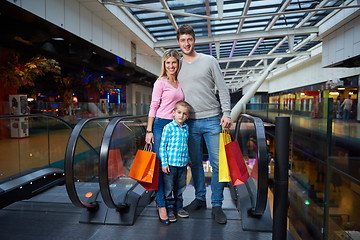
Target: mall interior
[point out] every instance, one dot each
(76, 82)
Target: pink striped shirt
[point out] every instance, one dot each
(163, 99)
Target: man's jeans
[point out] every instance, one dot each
(159, 124)
(174, 186)
(207, 129)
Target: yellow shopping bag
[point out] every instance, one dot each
(224, 174)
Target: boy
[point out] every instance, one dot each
(174, 157)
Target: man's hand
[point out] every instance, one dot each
(225, 122)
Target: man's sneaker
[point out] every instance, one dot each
(171, 216)
(182, 213)
(219, 215)
(195, 205)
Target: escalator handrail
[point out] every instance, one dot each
(262, 182)
(39, 115)
(69, 161)
(104, 153)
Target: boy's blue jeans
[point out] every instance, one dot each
(174, 186)
(158, 126)
(207, 129)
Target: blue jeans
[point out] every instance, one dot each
(207, 129)
(158, 126)
(174, 186)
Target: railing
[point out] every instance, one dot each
(82, 161)
(323, 168)
(31, 142)
(122, 138)
(250, 134)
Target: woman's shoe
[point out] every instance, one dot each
(165, 221)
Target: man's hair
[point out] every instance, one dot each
(185, 29)
(183, 104)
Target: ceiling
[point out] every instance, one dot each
(246, 36)
(30, 35)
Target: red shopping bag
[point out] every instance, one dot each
(237, 166)
(155, 181)
(255, 170)
(115, 164)
(143, 166)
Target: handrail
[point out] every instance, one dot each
(69, 162)
(104, 154)
(258, 204)
(38, 115)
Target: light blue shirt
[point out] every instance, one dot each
(173, 149)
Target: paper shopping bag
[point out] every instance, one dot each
(155, 182)
(255, 169)
(142, 168)
(115, 164)
(237, 166)
(224, 174)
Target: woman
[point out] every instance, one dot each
(166, 93)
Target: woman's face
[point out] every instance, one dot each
(171, 66)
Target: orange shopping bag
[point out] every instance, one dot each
(237, 166)
(155, 182)
(143, 166)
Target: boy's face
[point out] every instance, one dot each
(180, 114)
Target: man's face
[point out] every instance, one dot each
(186, 43)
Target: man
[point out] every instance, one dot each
(199, 76)
(347, 104)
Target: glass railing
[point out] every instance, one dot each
(122, 138)
(75, 112)
(250, 134)
(324, 190)
(30, 142)
(82, 161)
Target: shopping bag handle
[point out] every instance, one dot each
(225, 130)
(148, 147)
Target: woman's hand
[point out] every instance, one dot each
(149, 138)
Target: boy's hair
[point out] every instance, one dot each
(183, 104)
(185, 29)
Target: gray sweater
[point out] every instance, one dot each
(198, 80)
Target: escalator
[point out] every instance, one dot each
(98, 191)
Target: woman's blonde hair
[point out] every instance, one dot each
(167, 54)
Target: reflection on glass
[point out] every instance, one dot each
(43, 146)
(127, 138)
(86, 159)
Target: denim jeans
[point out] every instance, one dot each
(158, 126)
(346, 114)
(207, 129)
(174, 186)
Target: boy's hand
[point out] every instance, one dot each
(166, 169)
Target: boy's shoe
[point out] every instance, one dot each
(219, 215)
(171, 216)
(182, 213)
(195, 205)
